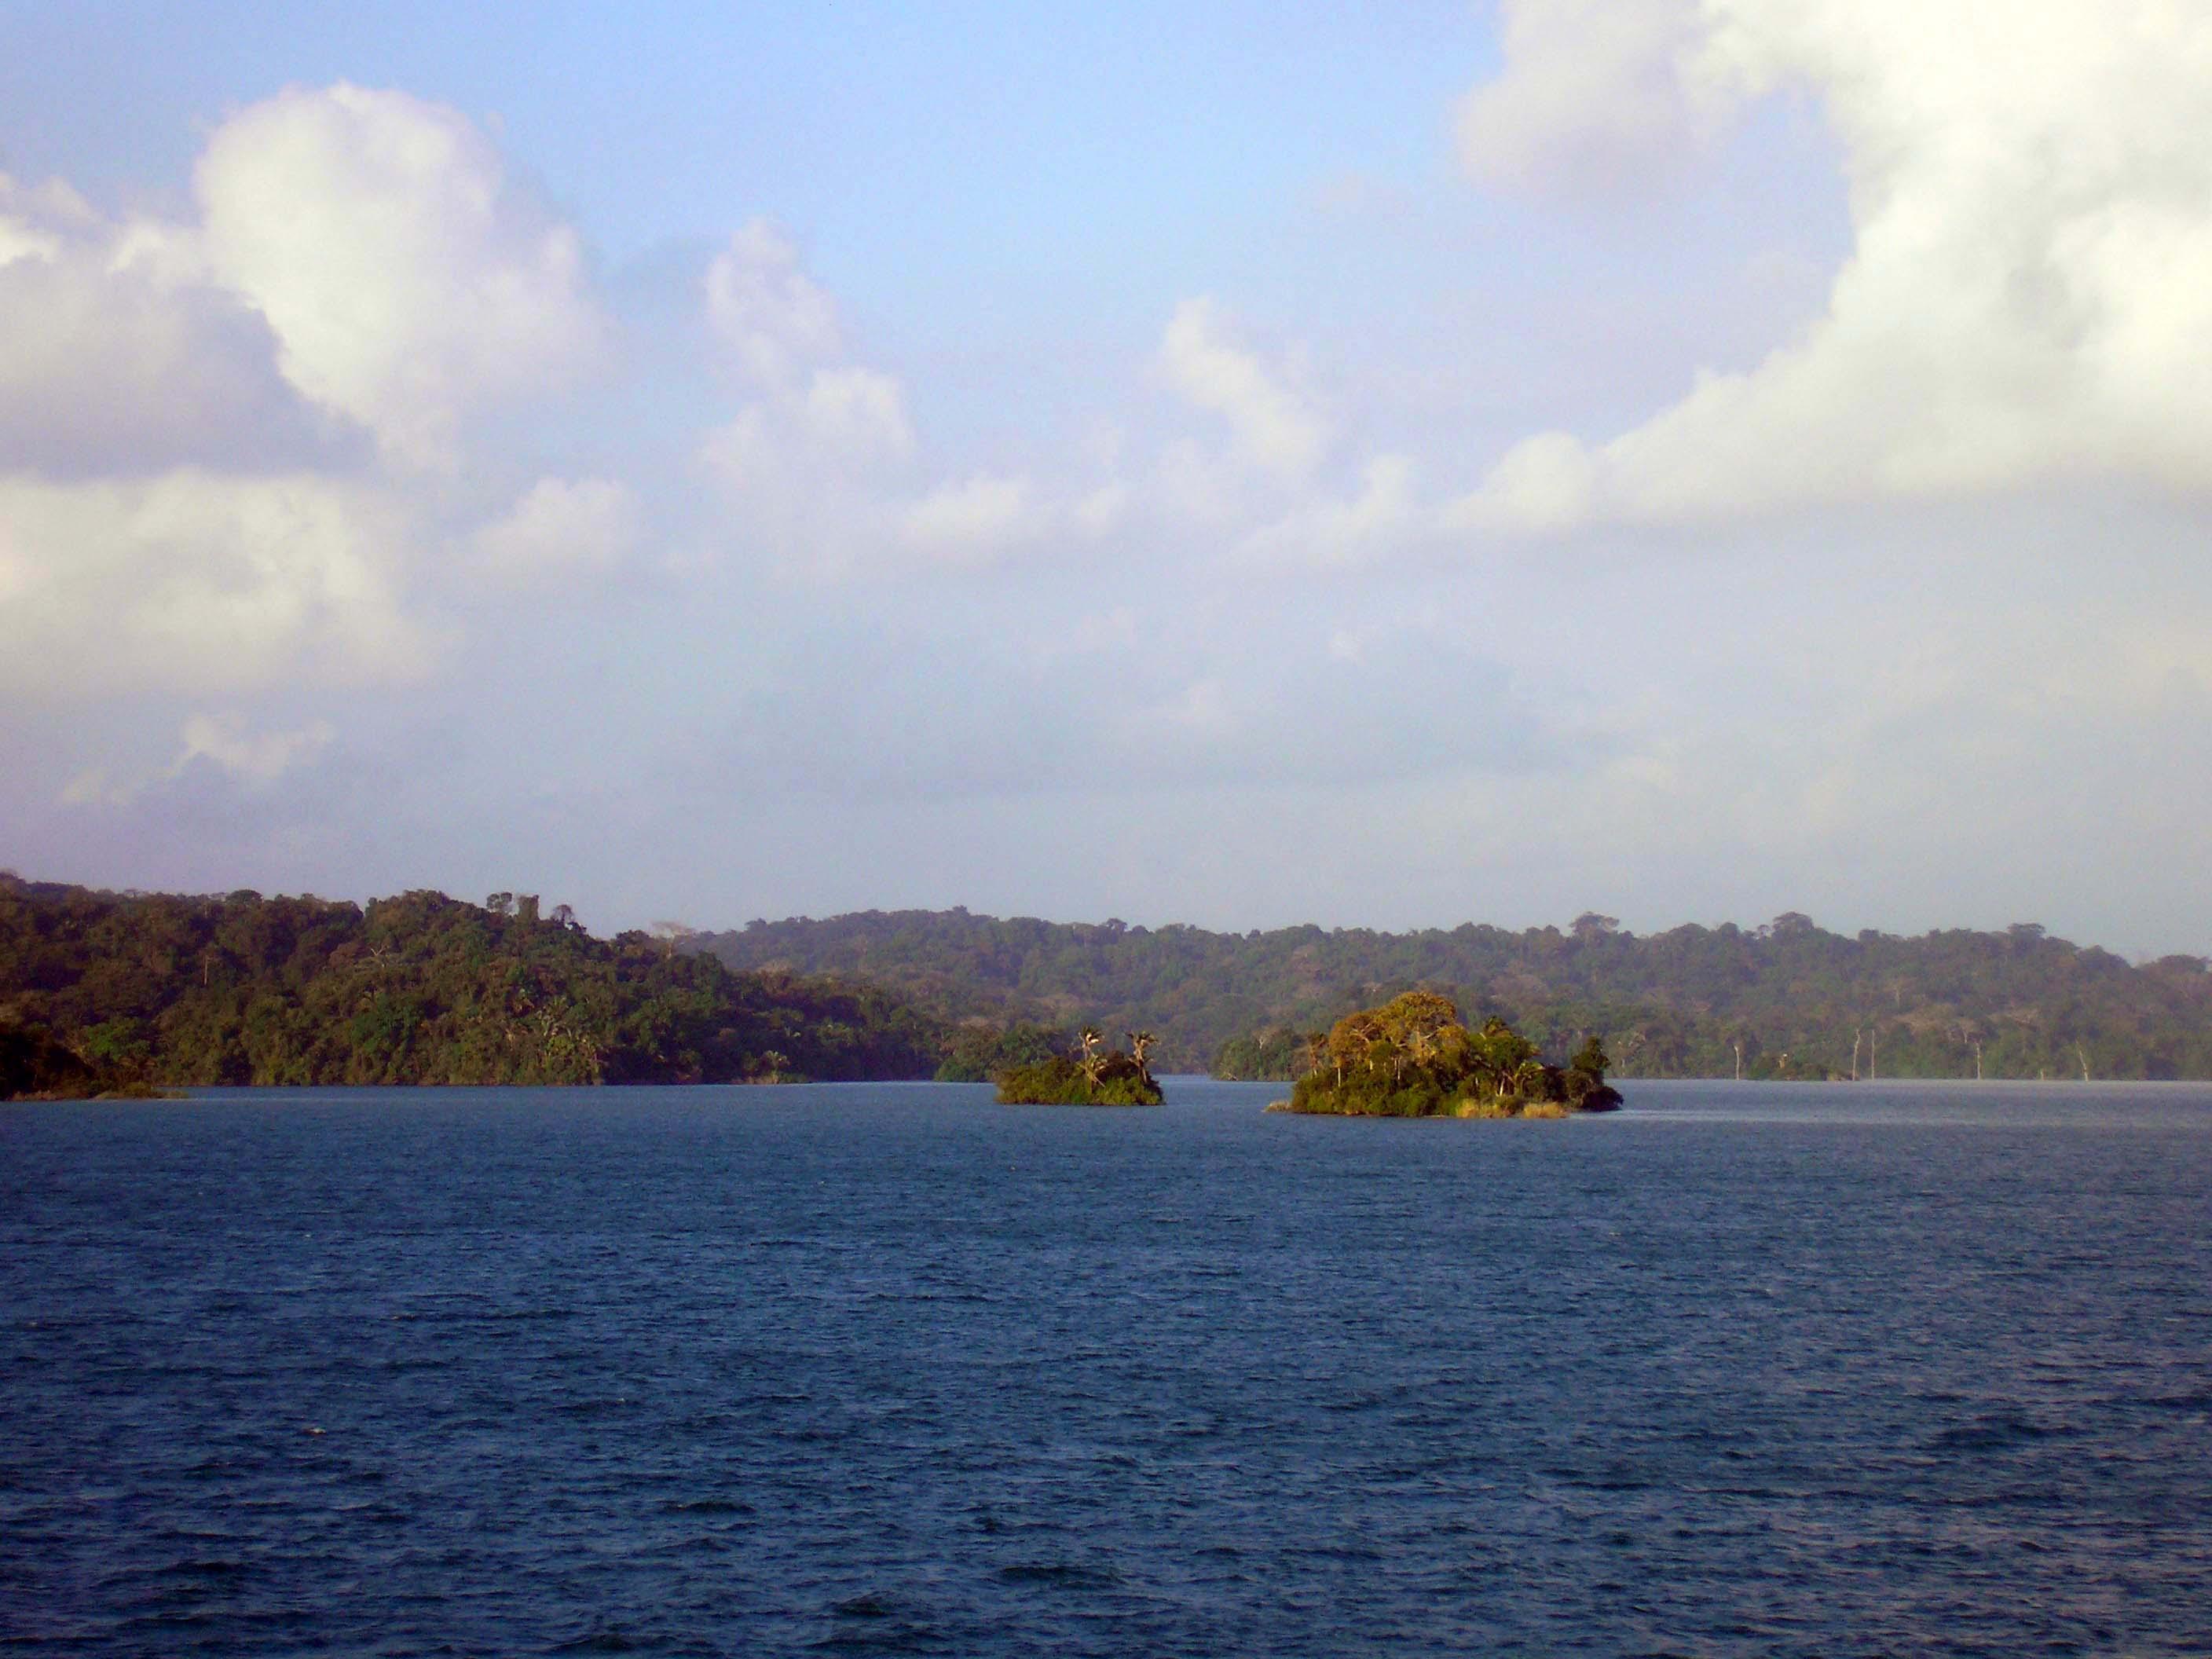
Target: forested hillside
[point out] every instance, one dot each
(161, 989)
(1785, 999)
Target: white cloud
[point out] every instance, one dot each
(114, 356)
(815, 472)
(1545, 483)
(971, 521)
(37, 221)
(1275, 426)
(2029, 296)
(1596, 94)
(258, 758)
(858, 415)
(807, 475)
(562, 528)
(198, 581)
(1099, 511)
(769, 313)
(408, 278)
(1380, 516)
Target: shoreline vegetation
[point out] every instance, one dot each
(1785, 1000)
(1094, 1076)
(134, 993)
(143, 992)
(1412, 1057)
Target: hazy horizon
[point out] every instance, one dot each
(1689, 461)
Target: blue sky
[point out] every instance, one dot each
(1280, 462)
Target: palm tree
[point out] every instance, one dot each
(1141, 1044)
(1093, 1063)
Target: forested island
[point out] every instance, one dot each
(105, 993)
(1786, 1001)
(1094, 1076)
(1412, 1057)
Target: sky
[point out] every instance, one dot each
(1242, 464)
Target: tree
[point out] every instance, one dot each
(673, 935)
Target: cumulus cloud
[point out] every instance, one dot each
(1381, 515)
(818, 471)
(408, 278)
(773, 316)
(226, 743)
(115, 358)
(972, 520)
(1276, 426)
(2028, 298)
(196, 579)
(806, 474)
(1598, 95)
(559, 529)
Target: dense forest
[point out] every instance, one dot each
(105, 990)
(1788, 999)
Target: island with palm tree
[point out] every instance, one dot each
(1412, 1057)
(1094, 1076)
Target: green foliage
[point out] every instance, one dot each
(1099, 1077)
(152, 989)
(1275, 1055)
(33, 1065)
(1413, 1058)
(980, 1051)
(1676, 1004)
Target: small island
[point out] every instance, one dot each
(1096, 1076)
(1413, 1058)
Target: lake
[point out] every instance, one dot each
(1743, 1369)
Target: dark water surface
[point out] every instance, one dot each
(890, 1368)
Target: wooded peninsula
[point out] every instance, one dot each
(102, 992)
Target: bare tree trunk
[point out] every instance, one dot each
(2082, 1055)
(1857, 1037)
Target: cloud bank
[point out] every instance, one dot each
(350, 519)
(2028, 298)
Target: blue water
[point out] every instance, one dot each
(890, 1369)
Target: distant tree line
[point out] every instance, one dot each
(106, 991)
(1787, 1000)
